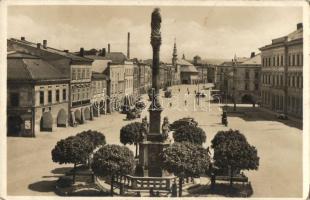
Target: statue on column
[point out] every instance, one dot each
(144, 128)
(165, 128)
(155, 24)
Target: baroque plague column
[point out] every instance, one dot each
(154, 141)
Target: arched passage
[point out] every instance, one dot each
(46, 123)
(62, 118)
(87, 113)
(78, 116)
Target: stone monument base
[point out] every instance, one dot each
(150, 158)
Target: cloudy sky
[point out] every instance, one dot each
(211, 32)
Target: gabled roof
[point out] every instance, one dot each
(188, 69)
(116, 57)
(184, 62)
(24, 67)
(256, 60)
(51, 50)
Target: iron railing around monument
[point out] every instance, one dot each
(145, 183)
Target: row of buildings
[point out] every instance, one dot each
(49, 88)
(272, 78)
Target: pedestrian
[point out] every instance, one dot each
(170, 104)
(185, 102)
(138, 194)
(174, 190)
(152, 192)
(157, 194)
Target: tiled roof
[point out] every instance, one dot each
(256, 60)
(184, 62)
(30, 68)
(189, 68)
(52, 50)
(116, 57)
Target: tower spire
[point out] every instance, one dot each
(174, 54)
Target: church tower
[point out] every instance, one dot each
(174, 54)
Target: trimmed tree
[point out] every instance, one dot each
(190, 133)
(185, 160)
(131, 134)
(182, 122)
(93, 139)
(233, 153)
(71, 150)
(113, 160)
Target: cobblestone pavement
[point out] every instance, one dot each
(32, 172)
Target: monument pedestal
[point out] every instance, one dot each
(150, 159)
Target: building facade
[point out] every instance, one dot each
(189, 73)
(76, 67)
(116, 89)
(129, 78)
(99, 84)
(37, 95)
(282, 74)
(244, 84)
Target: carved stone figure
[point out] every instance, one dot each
(145, 128)
(165, 128)
(155, 23)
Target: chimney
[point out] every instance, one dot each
(299, 26)
(66, 50)
(128, 45)
(44, 44)
(82, 51)
(38, 45)
(252, 54)
(103, 52)
(108, 48)
(22, 38)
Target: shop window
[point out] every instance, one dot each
(14, 99)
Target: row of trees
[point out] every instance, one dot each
(186, 157)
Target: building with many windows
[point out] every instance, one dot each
(282, 74)
(37, 95)
(99, 83)
(129, 78)
(75, 67)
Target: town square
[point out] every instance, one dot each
(147, 111)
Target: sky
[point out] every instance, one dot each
(210, 32)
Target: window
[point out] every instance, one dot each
(64, 94)
(246, 86)
(57, 95)
(247, 75)
(73, 74)
(87, 73)
(281, 80)
(256, 86)
(274, 61)
(41, 97)
(269, 62)
(293, 62)
(289, 60)
(78, 73)
(278, 61)
(14, 99)
(256, 75)
(49, 99)
(281, 60)
(298, 57)
(293, 81)
(83, 73)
